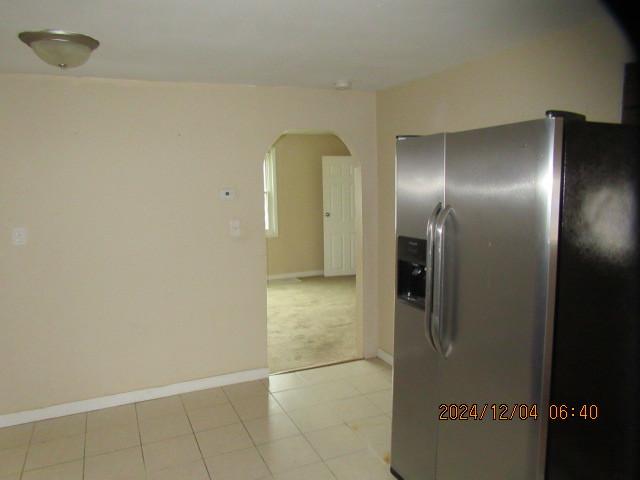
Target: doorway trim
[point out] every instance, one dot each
(365, 331)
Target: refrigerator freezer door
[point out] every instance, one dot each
(498, 271)
(420, 187)
(419, 182)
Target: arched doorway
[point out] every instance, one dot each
(313, 219)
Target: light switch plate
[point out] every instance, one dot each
(234, 228)
(19, 236)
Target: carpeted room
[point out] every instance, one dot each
(311, 313)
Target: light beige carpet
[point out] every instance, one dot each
(310, 321)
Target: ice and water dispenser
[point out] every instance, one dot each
(411, 270)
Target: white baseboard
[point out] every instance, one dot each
(309, 273)
(385, 357)
(131, 397)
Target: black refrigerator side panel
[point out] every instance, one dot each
(596, 333)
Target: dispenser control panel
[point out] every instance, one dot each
(411, 270)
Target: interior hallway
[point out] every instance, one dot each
(326, 423)
(311, 321)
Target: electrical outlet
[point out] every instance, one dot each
(234, 228)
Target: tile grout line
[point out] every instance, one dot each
(180, 434)
(344, 422)
(337, 456)
(255, 446)
(195, 437)
(285, 412)
(144, 463)
(84, 449)
(303, 436)
(26, 453)
(367, 448)
(119, 449)
(270, 395)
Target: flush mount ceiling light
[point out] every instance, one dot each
(59, 48)
(342, 85)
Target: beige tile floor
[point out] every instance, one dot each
(320, 424)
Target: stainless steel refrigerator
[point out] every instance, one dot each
(516, 319)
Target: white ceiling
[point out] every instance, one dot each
(310, 43)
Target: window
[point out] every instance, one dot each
(270, 197)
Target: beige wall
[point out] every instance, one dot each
(299, 244)
(130, 278)
(579, 70)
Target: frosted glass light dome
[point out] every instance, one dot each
(59, 48)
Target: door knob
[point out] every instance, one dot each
(327, 214)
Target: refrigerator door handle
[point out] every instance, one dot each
(428, 291)
(438, 278)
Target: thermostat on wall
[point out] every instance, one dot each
(227, 194)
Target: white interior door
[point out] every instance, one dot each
(339, 216)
